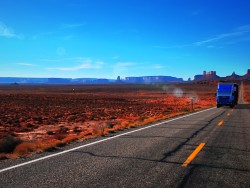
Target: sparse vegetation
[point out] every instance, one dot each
(42, 118)
(8, 144)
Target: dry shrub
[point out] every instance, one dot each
(25, 148)
(97, 132)
(72, 118)
(50, 132)
(85, 134)
(100, 130)
(110, 125)
(149, 120)
(117, 127)
(60, 144)
(142, 118)
(105, 131)
(61, 133)
(111, 131)
(63, 130)
(8, 144)
(77, 129)
(124, 124)
(185, 109)
(59, 136)
(46, 145)
(30, 125)
(3, 156)
(70, 138)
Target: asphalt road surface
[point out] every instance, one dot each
(205, 149)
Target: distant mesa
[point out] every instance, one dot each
(59, 80)
(233, 76)
(152, 79)
(206, 76)
(211, 76)
(142, 79)
(118, 80)
(14, 84)
(21, 80)
(77, 81)
(247, 75)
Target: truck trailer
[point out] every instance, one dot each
(227, 94)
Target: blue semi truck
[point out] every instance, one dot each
(227, 94)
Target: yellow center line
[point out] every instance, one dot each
(220, 123)
(193, 155)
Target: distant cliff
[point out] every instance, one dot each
(152, 79)
(207, 76)
(23, 80)
(11, 80)
(143, 79)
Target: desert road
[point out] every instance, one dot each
(209, 148)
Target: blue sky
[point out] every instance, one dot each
(107, 38)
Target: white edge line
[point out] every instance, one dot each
(93, 143)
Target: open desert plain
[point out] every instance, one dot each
(36, 118)
(134, 135)
(117, 94)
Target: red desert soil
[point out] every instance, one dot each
(41, 118)
(247, 92)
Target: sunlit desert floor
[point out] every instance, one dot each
(43, 117)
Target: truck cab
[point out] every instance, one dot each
(227, 94)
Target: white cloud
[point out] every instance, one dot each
(157, 66)
(26, 64)
(241, 31)
(49, 33)
(210, 46)
(125, 64)
(116, 57)
(240, 34)
(244, 28)
(170, 47)
(120, 68)
(59, 31)
(99, 62)
(73, 25)
(68, 37)
(71, 59)
(8, 32)
(85, 64)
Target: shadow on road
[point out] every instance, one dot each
(163, 160)
(243, 106)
